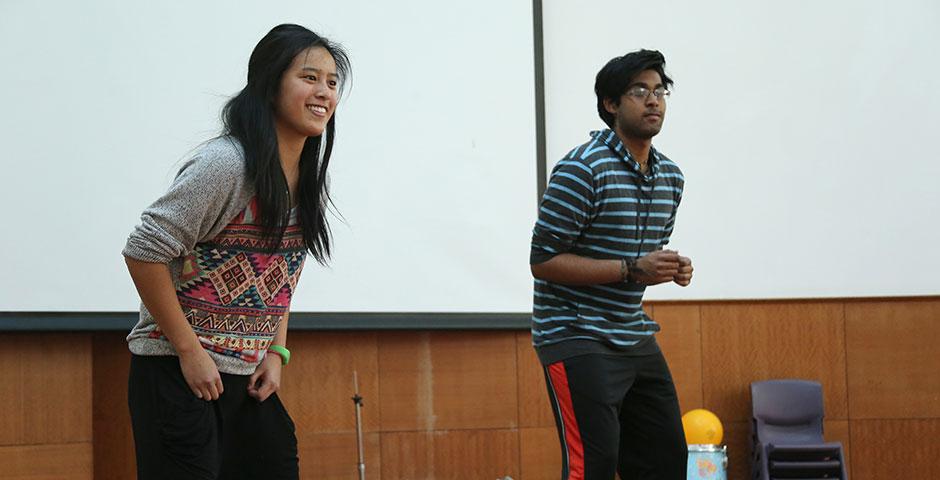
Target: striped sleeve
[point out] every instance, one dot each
(566, 210)
(671, 223)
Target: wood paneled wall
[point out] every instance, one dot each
(452, 405)
(46, 406)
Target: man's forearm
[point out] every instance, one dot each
(571, 269)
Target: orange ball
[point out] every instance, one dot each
(702, 427)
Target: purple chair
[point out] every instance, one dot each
(787, 432)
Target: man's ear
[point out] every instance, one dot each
(611, 104)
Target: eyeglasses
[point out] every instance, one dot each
(642, 93)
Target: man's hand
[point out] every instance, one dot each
(266, 379)
(656, 267)
(684, 277)
(201, 374)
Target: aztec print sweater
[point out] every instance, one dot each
(232, 292)
(598, 204)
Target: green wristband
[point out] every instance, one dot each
(281, 351)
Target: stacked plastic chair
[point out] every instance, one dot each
(787, 433)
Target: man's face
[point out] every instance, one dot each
(638, 116)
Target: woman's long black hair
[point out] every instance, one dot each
(249, 117)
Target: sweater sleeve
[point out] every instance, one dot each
(566, 210)
(207, 192)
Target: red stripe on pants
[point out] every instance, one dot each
(572, 434)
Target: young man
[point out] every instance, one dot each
(606, 215)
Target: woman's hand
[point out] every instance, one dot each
(201, 374)
(266, 379)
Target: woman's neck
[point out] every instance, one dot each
(289, 149)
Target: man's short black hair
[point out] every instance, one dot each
(612, 81)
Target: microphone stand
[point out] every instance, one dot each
(357, 399)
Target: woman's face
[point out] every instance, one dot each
(308, 94)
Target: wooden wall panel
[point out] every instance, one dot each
(747, 342)
(333, 456)
(447, 380)
(895, 449)
(451, 455)
(737, 438)
(57, 388)
(114, 452)
(317, 384)
(540, 453)
(893, 351)
(838, 431)
(71, 461)
(681, 342)
(535, 409)
(12, 426)
(473, 404)
(46, 388)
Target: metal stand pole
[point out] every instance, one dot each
(357, 399)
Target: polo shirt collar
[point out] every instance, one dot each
(609, 137)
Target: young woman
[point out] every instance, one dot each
(216, 260)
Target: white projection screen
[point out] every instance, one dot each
(806, 131)
(434, 168)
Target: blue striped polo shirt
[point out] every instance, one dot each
(598, 204)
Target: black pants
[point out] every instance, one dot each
(617, 414)
(180, 437)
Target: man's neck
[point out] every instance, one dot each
(639, 148)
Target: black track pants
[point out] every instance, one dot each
(617, 414)
(180, 437)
